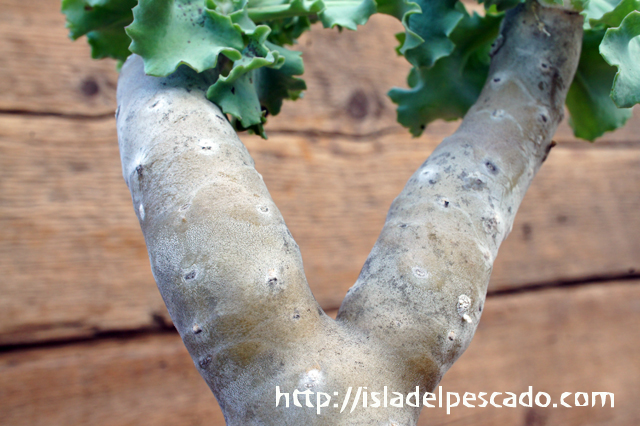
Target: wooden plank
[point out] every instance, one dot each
(574, 339)
(74, 263)
(348, 75)
(571, 339)
(143, 381)
(33, 39)
(42, 70)
(73, 257)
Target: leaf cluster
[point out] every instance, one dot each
(242, 44)
(451, 65)
(601, 96)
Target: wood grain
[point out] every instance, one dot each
(571, 339)
(535, 339)
(348, 75)
(43, 71)
(138, 381)
(74, 263)
(72, 257)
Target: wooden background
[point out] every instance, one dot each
(85, 338)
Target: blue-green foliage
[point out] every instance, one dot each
(447, 89)
(242, 43)
(592, 111)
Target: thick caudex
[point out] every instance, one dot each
(232, 275)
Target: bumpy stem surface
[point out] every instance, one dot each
(232, 276)
(423, 287)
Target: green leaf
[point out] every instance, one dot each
(594, 10)
(620, 47)
(236, 11)
(110, 42)
(296, 18)
(398, 8)
(84, 16)
(501, 5)
(592, 112)
(347, 13)
(552, 2)
(614, 14)
(265, 11)
(579, 5)
(103, 22)
(288, 30)
(275, 85)
(449, 88)
(169, 33)
(239, 99)
(257, 85)
(427, 37)
(253, 76)
(402, 10)
(236, 93)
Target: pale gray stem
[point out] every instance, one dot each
(423, 286)
(232, 275)
(228, 269)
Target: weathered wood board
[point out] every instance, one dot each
(43, 71)
(73, 257)
(74, 264)
(567, 339)
(348, 75)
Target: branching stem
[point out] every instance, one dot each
(232, 275)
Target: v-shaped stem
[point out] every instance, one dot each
(231, 274)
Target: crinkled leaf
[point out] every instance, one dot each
(577, 5)
(432, 28)
(620, 47)
(595, 9)
(236, 92)
(449, 88)
(103, 22)
(592, 112)
(168, 33)
(84, 16)
(226, 7)
(275, 85)
(239, 99)
(267, 10)
(291, 60)
(258, 84)
(347, 13)
(288, 30)
(402, 10)
(501, 5)
(254, 76)
(614, 15)
(398, 8)
(236, 10)
(110, 42)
